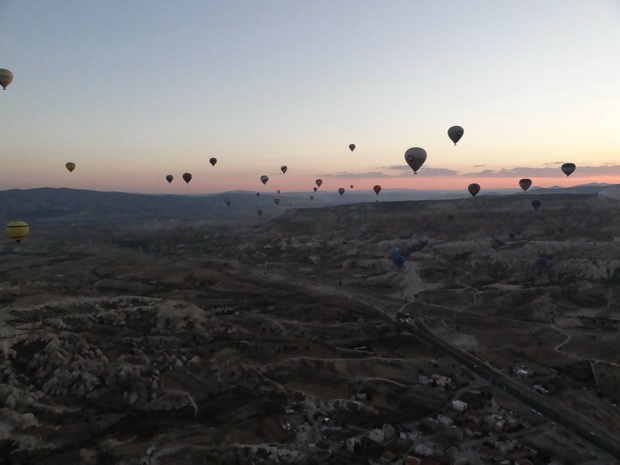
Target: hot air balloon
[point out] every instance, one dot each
(228, 202)
(283, 168)
(70, 166)
(278, 191)
(568, 168)
(398, 260)
(17, 230)
(341, 190)
(264, 178)
(525, 184)
(312, 197)
(259, 211)
(169, 178)
(257, 194)
(276, 201)
(473, 189)
(5, 78)
(351, 147)
(351, 186)
(455, 133)
(415, 158)
(536, 204)
(213, 161)
(377, 189)
(187, 177)
(315, 189)
(319, 182)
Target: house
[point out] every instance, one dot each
(424, 449)
(445, 420)
(351, 443)
(376, 435)
(459, 405)
(389, 432)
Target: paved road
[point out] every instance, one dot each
(548, 406)
(572, 420)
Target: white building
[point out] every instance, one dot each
(459, 405)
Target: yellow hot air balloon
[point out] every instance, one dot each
(70, 166)
(5, 78)
(17, 230)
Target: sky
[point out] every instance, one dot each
(134, 90)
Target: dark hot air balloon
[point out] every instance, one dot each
(351, 186)
(351, 147)
(341, 190)
(536, 204)
(319, 182)
(377, 189)
(473, 189)
(169, 178)
(284, 169)
(70, 166)
(568, 168)
(525, 184)
(264, 178)
(6, 77)
(259, 211)
(415, 158)
(187, 177)
(213, 161)
(315, 189)
(276, 201)
(455, 133)
(228, 202)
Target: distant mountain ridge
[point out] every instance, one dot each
(63, 206)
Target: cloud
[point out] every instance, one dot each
(428, 171)
(348, 174)
(479, 166)
(546, 172)
(404, 171)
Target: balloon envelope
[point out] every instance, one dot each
(525, 184)
(351, 186)
(377, 189)
(319, 182)
(70, 166)
(284, 168)
(17, 230)
(276, 201)
(5, 78)
(315, 189)
(536, 204)
(415, 158)
(455, 133)
(259, 211)
(398, 260)
(341, 190)
(473, 189)
(187, 177)
(264, 178)
(228, 202)
(213, 161)
(568, 168)
(169, 178)
(351, 147)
